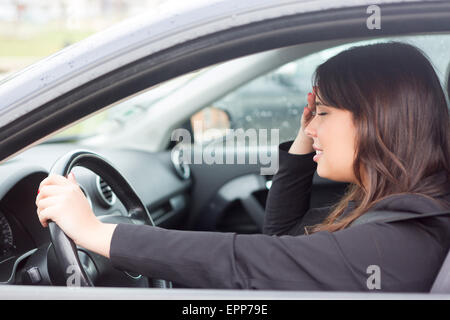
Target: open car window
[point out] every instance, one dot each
(276, 99)
(272, 101)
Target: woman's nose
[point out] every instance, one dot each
(310, 129)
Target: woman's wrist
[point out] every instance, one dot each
(98, 238)
(302, 144)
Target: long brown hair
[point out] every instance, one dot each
(402, 122)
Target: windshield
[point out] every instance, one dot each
(122, 114)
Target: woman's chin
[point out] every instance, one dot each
(320, 171)
(320, 166)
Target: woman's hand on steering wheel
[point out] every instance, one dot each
(61, 200)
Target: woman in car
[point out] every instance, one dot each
(378, 119)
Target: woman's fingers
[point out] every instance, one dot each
(54, 179)
(310, 97)
(56, 184)
(45, 203)
(312, 101)
(309, 110)
(71, 178)
(45, 209)
(48, 191)
(45, 215)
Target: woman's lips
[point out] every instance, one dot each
(318, 155)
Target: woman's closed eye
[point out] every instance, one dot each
(314, 113)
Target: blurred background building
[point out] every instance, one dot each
(33, 29)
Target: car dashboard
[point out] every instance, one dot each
(158, 179)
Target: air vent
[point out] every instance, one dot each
(105, 192)
(181, 168)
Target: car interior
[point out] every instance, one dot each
(178, 192)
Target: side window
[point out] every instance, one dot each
(276, 100)
(273, 101)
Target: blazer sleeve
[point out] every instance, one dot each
(405, 255)
(289, 196)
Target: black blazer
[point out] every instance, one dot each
(404, 256)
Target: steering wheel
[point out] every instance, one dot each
(85, 271)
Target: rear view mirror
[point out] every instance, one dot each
(209, 124)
